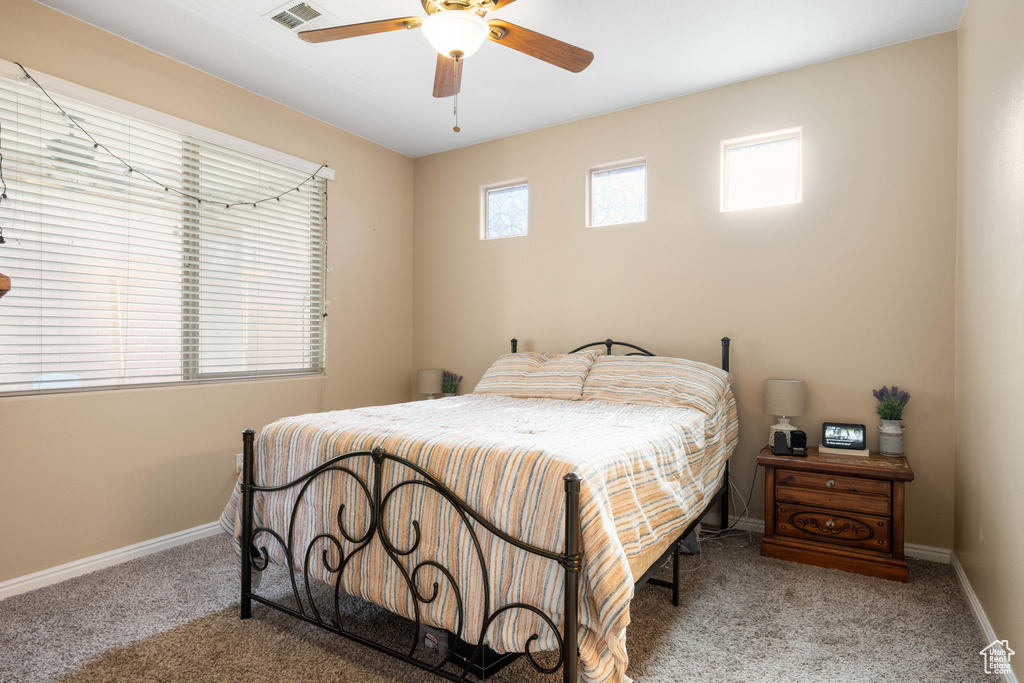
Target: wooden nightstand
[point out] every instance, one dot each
(838, 511)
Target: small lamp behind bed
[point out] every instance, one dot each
(429, 382)
(785, 398)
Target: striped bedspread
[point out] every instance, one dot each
(647, 472)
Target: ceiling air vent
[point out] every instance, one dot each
(301, 16)
(287, 19)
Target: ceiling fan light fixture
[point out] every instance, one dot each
(455, 31)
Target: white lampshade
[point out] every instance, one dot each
(456, 31)
(785, 397)
(428, 381)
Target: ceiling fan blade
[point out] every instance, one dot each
(447, 76)
(324, 35)
(538, 45)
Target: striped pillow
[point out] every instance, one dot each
(538, 375)
(657, 381)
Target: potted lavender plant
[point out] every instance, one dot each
(450, 383)
(891, 402)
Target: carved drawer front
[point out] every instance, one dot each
(832, 526)
(815, 480)
(855, 502)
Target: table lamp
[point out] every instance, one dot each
(784, 398)
(429, 382)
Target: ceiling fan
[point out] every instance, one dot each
(456, 29)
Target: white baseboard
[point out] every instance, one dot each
(977, 610)
(927, 552)
(46, 577)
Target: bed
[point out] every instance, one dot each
(505, 522)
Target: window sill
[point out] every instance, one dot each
(167, 385)
(615, 225)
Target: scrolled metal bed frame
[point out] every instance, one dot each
(479, 660)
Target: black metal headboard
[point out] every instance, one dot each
(608, 344)
(638, 351)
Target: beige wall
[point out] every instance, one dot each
(880, 158)
(85, 473)
(990, 313)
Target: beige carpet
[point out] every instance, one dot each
(173, 617)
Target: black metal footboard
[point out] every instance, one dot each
(460, 662)
(255, 556)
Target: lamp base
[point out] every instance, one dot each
(784, 426)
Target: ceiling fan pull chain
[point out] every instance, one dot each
(455, 76)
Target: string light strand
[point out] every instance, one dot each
(3, 183)
(129, 169)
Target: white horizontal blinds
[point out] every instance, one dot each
(116, 281)
(93, 253)
(260, 270)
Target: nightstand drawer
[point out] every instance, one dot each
(856, 502)
(831, 526)
(816, 480)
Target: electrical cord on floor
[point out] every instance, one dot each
(738, 495)
(746, 510)
(733, 530)
(700, 563)
(720, 537)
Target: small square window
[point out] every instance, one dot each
(618, 194)
(761, 171)
(506, 211)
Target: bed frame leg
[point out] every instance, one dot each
(573, 564)
(248, 480)
(724, 518)
(675, 575)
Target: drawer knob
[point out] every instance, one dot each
(830, 483)
(830, 523)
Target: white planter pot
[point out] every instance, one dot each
(890, 438)
(449, 393)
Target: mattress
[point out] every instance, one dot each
(647, 472)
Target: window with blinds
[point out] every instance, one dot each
(117, 281)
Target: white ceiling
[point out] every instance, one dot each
(379, 86)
